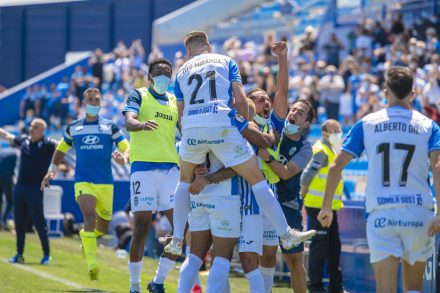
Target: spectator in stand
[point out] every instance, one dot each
(137, 53)
(27, 103)
(364, 43)
(398, 27)
(96, 63)
(333, 49)
(431, 91)
(331, 87)
(63, 87)
(367, 96)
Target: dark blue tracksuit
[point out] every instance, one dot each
(28, 198)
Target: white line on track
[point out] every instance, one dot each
(47, 276)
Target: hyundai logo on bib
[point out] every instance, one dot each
(91, 143)
(90, 139)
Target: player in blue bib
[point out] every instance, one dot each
(92, 138)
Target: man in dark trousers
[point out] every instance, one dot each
(36, 153)
(8, 159)
(326, 246)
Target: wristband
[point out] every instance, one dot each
(53, 168)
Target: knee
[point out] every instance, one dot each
(268, 261)
(141, 227)
(249, 262)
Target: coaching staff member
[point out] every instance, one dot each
(36, 153)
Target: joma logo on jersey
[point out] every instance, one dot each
(164, 116)
(90, 139)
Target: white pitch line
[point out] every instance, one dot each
(46, 275)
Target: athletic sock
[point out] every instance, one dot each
(98, 233)
(268, 274)
(270, 206)
(181, 209)
(218, 275)
(256, 281)
(164, 267)
(88, 240)
(135, 268)
(188, 273)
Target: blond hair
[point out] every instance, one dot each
(196, 39)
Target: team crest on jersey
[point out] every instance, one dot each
(292, 151)
(135, 201)
(239, 118)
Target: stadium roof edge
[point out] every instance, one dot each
(193, 16)
(6, 3)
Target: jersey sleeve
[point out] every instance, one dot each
(434, 140)
(277, 122)
(19, 139)
(354, 142)
(234, 71)
(117, 135)
(67, 138)
(319, 161)
(177, 91)
(133, 104)
(303, 157)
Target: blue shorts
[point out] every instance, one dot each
(292, 212)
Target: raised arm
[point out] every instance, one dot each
(7, 136)
(280, 106)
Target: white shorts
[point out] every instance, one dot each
(400, 232)
(256, 231)
(226, 143)
(153, 190)
(220, 214)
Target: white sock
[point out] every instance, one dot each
(270, 206)
(181, 209)
(197, 281)
(164, 267)
(188, 273)
(134, 268)
(218, 275)
(256, 281)
(412, 291)
(268, 274)
(187, 250)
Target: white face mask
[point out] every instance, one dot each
(335, 139)
(260, 120)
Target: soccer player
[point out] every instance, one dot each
(93, 138)
(258, 238)
(151, 116)
(214, 218)
(287, 162)
(400, 144)
(204, 88)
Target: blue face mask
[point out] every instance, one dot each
(160, 84)
(92, 110)
(290, 128)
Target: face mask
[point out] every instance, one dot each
(260, 120)
(160, 84)
(290, 128)
(335, 138)
(92, 110)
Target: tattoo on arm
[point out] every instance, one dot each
(220, 175)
